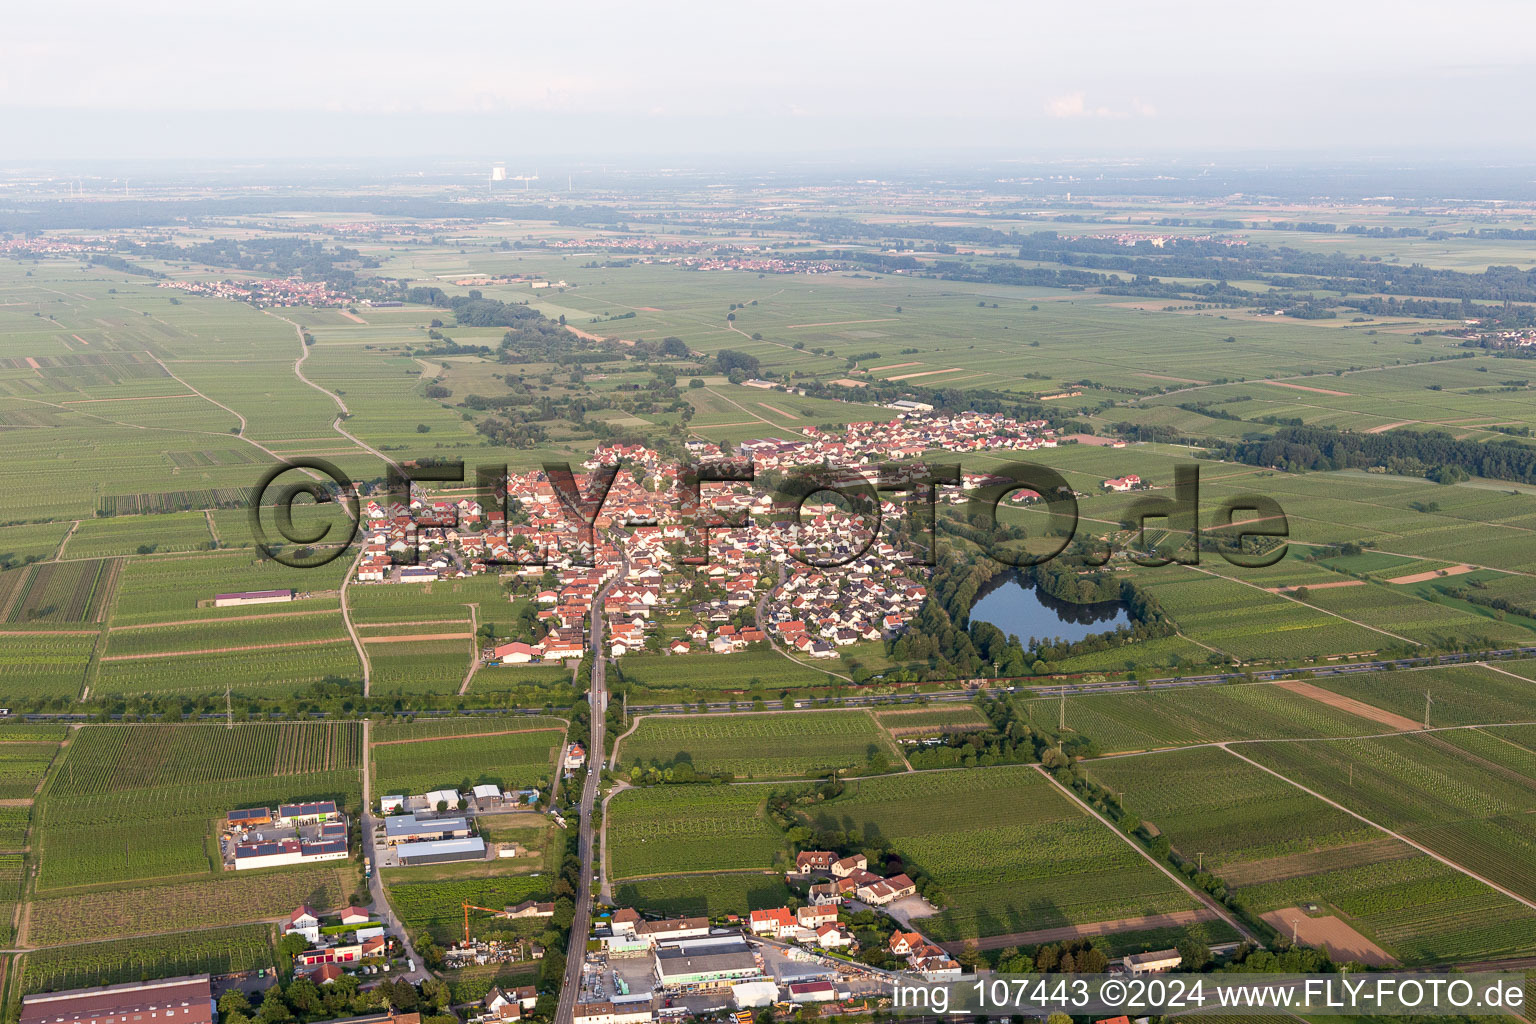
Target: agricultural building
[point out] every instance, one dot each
(303, 814)
(252, 597)
(249, 817)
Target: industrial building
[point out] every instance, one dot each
(252, 597)
(702, 964)
(408, 828)
(441, 851)
(305, 814)
(184, 1000)
(277, 853)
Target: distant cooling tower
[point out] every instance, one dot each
(499, 172)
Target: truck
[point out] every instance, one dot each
(367, 867)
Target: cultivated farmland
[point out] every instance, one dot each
(1006, 851)
(513, 753)
(657, 831)
(91, 822)
(785, 745)
(219, 951)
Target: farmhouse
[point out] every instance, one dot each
(672, 929)
(529, 908)
(886, 890)
(807, 861)
(1155, 962)
(848, 865)
(183, 1000)
(252, 597)
(1122, 483)
(304, 922)
(515, 653)
(249, 818)
(610, 1013)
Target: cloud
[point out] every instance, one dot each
(1075, 105)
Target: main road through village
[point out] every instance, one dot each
(597, 701)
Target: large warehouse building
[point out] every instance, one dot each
(441, 851)
(705, 964)
(186, 1000)
(407, 828)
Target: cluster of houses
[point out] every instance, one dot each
(309, 833)
(273, 292)
(815, 925)
(908, 436)
(353, 942)
(640, 528)
(817, 610)
(921, 955)
(849, 878)
(1129, 482)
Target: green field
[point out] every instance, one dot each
(1467, 794)
(218, 951)
(1143, 721)
(513, 753)
(1007, 852)
(657, 831)
(745, 674)
(90, 822)
(1277, 847)
(436, 907)
(704, 895)
(785, 745)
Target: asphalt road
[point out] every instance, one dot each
(375, 885)
(597, 699)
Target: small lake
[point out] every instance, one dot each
(1020, 609)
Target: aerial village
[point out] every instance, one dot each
(839, 583)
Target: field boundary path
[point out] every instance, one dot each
(1395, 835)
(1200, 897)
(474, 649)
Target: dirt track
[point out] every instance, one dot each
(1315, 391)
(1079, 931)
(1349, 704)
(416, 636)
(1433, 574)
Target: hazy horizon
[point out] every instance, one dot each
(620, 83)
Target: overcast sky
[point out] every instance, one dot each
(651, 81)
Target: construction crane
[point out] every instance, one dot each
(467, 908)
